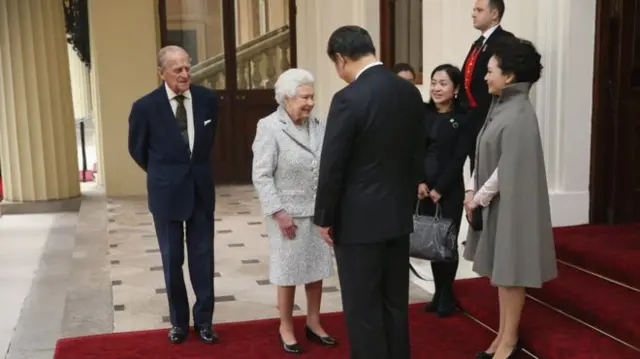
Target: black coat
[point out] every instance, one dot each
(447, 142)
(371, 163)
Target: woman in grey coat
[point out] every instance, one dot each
(286, 156)
(515, 248)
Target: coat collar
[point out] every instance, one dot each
(518, 88)
(289, 128)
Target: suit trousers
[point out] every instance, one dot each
(374, 279)
(199, 242)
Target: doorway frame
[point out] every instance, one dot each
(604, 194)
(231, 98)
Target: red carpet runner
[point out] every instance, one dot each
(612, 252)
(431, 339)
(558, 321)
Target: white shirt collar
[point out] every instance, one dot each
(488, 33)
(171, 95)
(376, 63)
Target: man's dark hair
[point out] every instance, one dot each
(497, 5)
(403, 66)
(352, 42)
(520, 58)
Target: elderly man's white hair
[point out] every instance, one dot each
(166, 51)
(289, 81)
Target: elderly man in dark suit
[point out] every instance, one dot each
(486, 15)
(171, 133)
(369, 171)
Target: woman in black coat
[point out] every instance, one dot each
(449, 138)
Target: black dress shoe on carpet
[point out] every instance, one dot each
(290, 348)
(326, 341)
(177, 335)
(206, 334)
(484, 355)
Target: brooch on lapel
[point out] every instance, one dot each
(453, 123)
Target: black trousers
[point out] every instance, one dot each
(199, 243)
(374, 279)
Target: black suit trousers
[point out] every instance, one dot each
(374, 278)
(199, 242)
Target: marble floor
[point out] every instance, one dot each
(243, 291)
(99, 271)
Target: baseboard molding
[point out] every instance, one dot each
(64, 205)
(569, 208)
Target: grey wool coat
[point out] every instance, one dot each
(515, 247)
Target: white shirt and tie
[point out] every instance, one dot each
(188, 105)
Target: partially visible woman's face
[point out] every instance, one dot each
(442, 89)
(496, 80)
(300, 106)
(407, 75)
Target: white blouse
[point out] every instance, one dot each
(485, 194)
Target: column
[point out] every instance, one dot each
(133, 60)
(81, 96)
(37, 130)
(316, 20)
(80, 84)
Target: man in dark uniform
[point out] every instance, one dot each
(487, 15)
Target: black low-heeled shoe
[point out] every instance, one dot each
(326, 341)
(290, 348)
(484, 355)
(514, 353)
(516, 350)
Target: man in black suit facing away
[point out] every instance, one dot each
(368, 177)
(171, 133)
(487, 15)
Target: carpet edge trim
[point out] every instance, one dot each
(582, 322)
(598, 275)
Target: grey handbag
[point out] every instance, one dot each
(434, 238)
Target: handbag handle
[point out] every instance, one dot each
(436, 216)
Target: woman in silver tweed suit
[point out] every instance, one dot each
(286, 156)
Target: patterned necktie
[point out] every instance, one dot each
(181, 118)
(478, 44)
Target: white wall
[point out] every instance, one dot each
(564, 32)
(316, 20)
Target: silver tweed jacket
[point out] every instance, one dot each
(285, 165)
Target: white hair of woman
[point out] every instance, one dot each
(288, 83)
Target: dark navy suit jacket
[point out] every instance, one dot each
(177, 181)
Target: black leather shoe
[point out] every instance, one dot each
(206, 334)
(290, 348)
(177, 335)
(326, 341)
(484, 355)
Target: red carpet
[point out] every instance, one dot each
(610, 251)
(558, 321)
(613, 252)
(452, 338)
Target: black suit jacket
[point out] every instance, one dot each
(479, 88)
(371, 159)
(174, 176)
